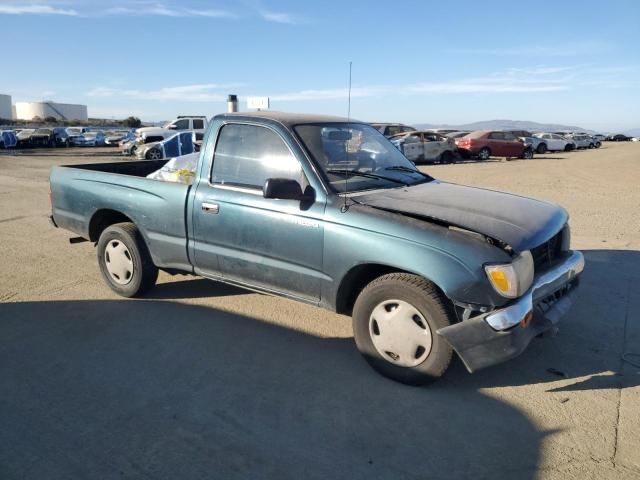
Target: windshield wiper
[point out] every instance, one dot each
(345, 171)
(402, 168)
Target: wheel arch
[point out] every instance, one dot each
(103, 219)
(359, 276)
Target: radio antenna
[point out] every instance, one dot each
(349, 97)
(346, 177)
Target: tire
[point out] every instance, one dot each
(527, 154)
(133, 150)
(484, 154)
(124, 260)
(542, 149)
(598, 144)
(446, 157)
(406, 292)
(153, 154)
(567, 148)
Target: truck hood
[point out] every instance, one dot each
(522, 223)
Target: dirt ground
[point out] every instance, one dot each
(203, 380)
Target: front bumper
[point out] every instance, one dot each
(502, 334)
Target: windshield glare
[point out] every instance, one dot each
(358, 148)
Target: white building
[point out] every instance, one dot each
(6, 110)
(61, 111)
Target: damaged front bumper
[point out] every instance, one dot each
(502, 334)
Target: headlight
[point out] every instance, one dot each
(512, 279)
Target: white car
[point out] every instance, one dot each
(197, 124)
(555, 142)
(179, 144)
(426, 147)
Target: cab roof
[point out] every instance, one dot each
(286, 118)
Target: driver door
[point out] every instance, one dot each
(243, 237)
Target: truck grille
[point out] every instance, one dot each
(545, 254)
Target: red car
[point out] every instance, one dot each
(486, 143)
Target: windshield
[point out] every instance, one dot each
(355, 156)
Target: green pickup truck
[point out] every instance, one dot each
(327, 211)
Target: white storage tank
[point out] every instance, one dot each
(6, 111)
(60, 111)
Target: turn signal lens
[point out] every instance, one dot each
(512, 279)
(500, 280)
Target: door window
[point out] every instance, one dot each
(182, 124)
(246, 155)
(508, 136)
(496, 136)
(198, 124)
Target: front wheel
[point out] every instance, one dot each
(527, 154)
(395, 320)
(124, 260)
(542, 149)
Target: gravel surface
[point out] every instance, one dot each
(203, 380)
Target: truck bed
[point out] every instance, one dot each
(81, 194)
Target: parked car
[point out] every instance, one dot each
(555, 142)
(584, 141)
(483, 144)
(538, 144)
(24, 137)
(130, 147)
(75, 132)
(618, 138)
(90, 139)
(424, 267)
(391, 129)
(600, 138)
(197, 124)
(115, 137)
(177, 145)
(421, 147)
(8, 139)
(43, 137)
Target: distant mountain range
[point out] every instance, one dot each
(522, 125)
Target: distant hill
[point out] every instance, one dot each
(633, 132)
(509, 125)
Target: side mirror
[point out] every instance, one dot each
(171, 127)
(286, 189)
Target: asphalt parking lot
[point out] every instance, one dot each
(203, 380)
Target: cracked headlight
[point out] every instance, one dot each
(511, 279)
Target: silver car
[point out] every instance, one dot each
(420, 147)
(177, 145)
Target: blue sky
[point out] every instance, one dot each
(414, 61)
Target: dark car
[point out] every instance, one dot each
(483, 144)
(43, 137)
(61, 137)
(618, 138)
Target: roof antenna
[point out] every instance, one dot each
(345, 207)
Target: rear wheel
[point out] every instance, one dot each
(153, 154)
(542, 148)
(446, 157)
(124, 260)
(484, 154)
(395, 320)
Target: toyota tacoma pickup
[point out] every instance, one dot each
(327, 211)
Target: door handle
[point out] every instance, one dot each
(210, 207)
